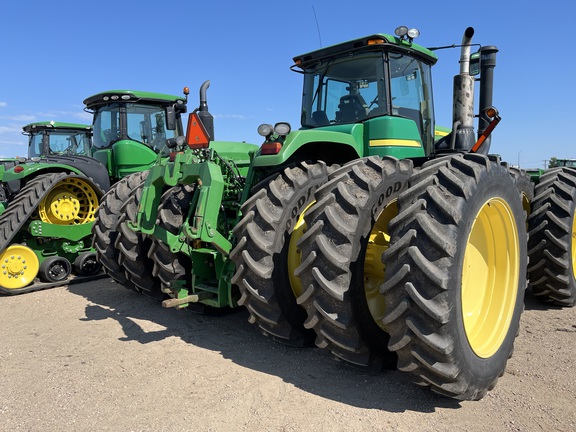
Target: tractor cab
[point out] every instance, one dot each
(373, 96)
(131, 128)
(55, 138)
(378, 80)
(368, 96)
(571, 163)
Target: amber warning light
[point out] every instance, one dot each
(196, 135)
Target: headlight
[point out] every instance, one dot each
(401, 31)
(282, 128)
(413, 33)
(179, 141)
(265, 130)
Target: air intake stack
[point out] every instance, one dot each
(487, 65)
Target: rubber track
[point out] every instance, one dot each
(260, 255)
(420, 266)
(551, 270)
(333, 255)
(22, 207)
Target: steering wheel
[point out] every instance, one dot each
(373, 102)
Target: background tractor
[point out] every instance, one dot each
(369, 231)
(49, 199)
(48, 138)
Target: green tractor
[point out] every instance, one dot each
(52, 138)
(52, 148)
(369, 231)
(48, 138)
(536, 173)
(50, 198)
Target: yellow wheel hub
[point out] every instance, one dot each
(72, 201)
(374, 269)
(490, 277)
(295, 254)
(19, 266)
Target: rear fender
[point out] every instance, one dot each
(348, 138)
(14, 181)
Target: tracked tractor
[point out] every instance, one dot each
(42, 194)
(45, 139)
(50, 198)
(369, 231)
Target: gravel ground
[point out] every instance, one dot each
(97, 357)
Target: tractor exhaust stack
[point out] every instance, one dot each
(463, 101)
(203, 114)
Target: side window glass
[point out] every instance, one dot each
(411, 90)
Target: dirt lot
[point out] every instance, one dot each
(95, 356)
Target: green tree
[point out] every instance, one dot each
(552, 162)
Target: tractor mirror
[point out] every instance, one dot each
(170, 118)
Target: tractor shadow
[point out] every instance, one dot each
(311, 369)
(534, 303)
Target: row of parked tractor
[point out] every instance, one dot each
(369, 231)
(48, 200)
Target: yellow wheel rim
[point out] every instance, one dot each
(295, 254)
(374, 269)
(72, 201)
(526, 206)
(19, 266)
(490, 277)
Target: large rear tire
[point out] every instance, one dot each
(341, 268)
(105, 230)
(265, 256)
(133, 248)
(457, 275)
(552, 244)
(167, 265)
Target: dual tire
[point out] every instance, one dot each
(451, 281)
(552, 244)
(457, 275)
(341, 269)
(266, 253)
(121, 251)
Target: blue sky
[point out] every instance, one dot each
(55, 54)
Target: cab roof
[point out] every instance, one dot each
(52, 125)
(132, 96)
(374, 42)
